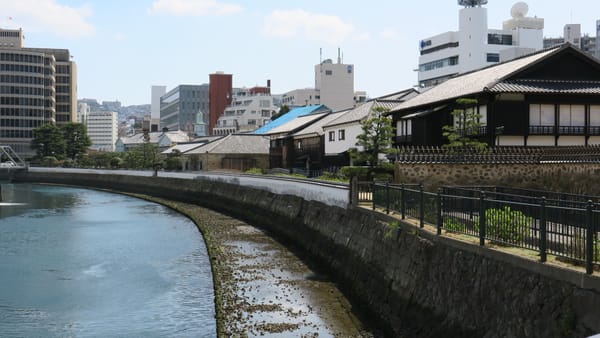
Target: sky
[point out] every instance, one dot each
(123, 47)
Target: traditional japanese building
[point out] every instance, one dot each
(550, 98)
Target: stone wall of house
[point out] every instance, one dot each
(526, 174)
(412, 282)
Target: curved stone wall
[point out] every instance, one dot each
(412, 282)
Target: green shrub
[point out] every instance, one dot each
(49, 161)
(116, 162)
(173, 163)
(329, 176)
(506, 224)
(360, 172)
(254, 171)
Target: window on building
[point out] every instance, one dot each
(500, 39)
(251, 122)
(332, 136)
(541, 115)
(571, 115)
(328, 72)
(451, 61)
(341, 134)
(595, 116)
(404, 128)
(493, 57)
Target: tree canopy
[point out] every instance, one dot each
(76, 139)
(48, 140)
(465, 131)
(376, 137)
(69, 140)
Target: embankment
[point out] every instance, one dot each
(412, 282)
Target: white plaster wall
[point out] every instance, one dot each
(540, 141)
(511, 140)
(571, 141)
(337, 146)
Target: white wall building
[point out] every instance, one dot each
(474, 46)
(334, 87)
(83, 110)
(103, 130)
(157, 92)
(248, 111)
(335, 84)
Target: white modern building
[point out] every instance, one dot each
(156, 92)
(248, 111)
(103, 130)
(475, 46)
(334, 87)
(83, 110)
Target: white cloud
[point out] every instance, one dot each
(193, 7)
(48, 16)
(297, 22)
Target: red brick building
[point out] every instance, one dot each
(220, 96)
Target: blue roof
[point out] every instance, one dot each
(292, 114)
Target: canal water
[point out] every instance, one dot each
(84, 263)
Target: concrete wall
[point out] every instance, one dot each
(414, 283)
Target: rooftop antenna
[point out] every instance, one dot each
(472, 3)
(339, 57)
(320, 55)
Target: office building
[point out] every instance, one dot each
(103, 130)
(83, 110)
(334, 87)
(183, 107)
(38, 86)
(572, 34)
(156, 92)
(250, 109)
(475, 46)
(220, 96)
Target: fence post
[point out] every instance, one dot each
(373, 187)
(543, 230)
(387, 197)
(482, 218)
(402, 202)
(354, 191)
(440, 219)
(589, 239)
(422, 206)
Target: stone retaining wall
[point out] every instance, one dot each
(436, 174)
(412, 282)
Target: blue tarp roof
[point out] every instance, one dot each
(292, 114)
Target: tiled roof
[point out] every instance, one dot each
(289, 116)
(139, 138)
(362, 112)
(476, 81)
(399, 96)
(235, 144)
(317, 127)
(177, 136)
(182, 148)
(295, 124)
(547, 86)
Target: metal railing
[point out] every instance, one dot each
(569, 229)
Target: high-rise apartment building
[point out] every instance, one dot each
(475, 46)
(572, 34)
(180, 107)
(220, 96)
(103, 130)
(37, 86)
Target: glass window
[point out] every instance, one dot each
(493, 57)
(332, 136)
(572, 115)
(541, 115)
(595, 116)
(341, 134)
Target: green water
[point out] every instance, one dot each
(84, 263)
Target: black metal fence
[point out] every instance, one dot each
(567, 228)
